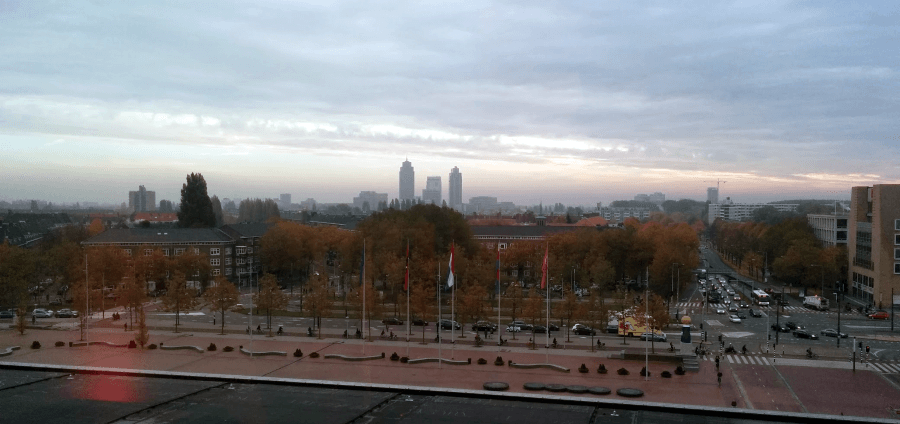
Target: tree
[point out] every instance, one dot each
(320, 300)
(17, 267)
(258, 210)
(422, 302)
(534, 308)
(569, 310)
(471, 305)
(217, 210)
(269, 297)
(221, 297)
(179, 296)
(196, 207)
(143, 335)
(107, 268)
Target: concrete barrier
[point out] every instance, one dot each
(533, 366)
(353, 358)
(80, 344)
(184, 347)
(445, 361)
(264, 353)
(9, 351)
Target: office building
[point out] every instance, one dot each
(730, 211)
(482, 204)
(432, 192)
(407, 182)
(831, 230)
(285, 199)
(873, 248)
(369, 201)
(712, 195)
(657, 198)
(455, 194)
(142, 200)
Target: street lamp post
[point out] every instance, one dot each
(672, 292)
(837, 295)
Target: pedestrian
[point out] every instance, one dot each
(126, 326)
(33, 319)
(719, 376)
(258, 329)
(717, 361)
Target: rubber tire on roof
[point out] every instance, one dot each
(577, 389)
(496, 386)
(534, 386)
(599, 390)
(556, 387)
(628, 392)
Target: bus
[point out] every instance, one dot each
(761, 298)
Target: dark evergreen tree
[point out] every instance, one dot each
(217, 211)
(196, 207)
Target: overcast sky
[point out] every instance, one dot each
(573, 102)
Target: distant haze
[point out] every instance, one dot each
(572, 102)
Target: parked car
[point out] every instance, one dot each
(521, 324)
(656, 337)
(792, 325)
(734, 318)
(42, 313)
(484, 325)
(539, 329)
(392, 321)
(9, 313)
(755, 313)
(583, 330)
(830, 332)
(803, 334)
(447, 324)
(513, 329)
(419, 322)
(880, 315)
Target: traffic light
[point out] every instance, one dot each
(867, 348)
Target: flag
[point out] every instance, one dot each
(544, 268)
(450, 277)
(406, 280)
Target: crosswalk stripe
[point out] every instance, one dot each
(765, 361)
(893, 367)
(730, 361)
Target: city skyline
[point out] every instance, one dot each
(591, 102)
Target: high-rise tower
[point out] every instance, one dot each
(407, 181)
(455, 195)
(712, 195)
(433, 191)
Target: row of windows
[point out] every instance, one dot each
(180, 251)
(896, 267)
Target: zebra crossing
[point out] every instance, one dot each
(884, 367)
(787, 309)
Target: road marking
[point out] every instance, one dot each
(730, 361)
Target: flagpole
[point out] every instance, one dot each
(499, 334)
(440, 316)
(408, 291)
(452, 308)
(547, 270)
(362, 279)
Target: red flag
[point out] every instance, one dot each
(544, 268)
(406, 281)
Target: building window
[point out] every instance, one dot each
(240, 261)
(165, 252)
(179, 252)
(214, 251)
(240, 250)
(249, 261)
(228, 260)
(897, 239)
(227, 250)
(896, 267)
(227, 271)
(148, 252)
(897, 254)
(215, 271)
(897, 224)
(196, 251)
(128, 252)
(249, 250)
(214, 262)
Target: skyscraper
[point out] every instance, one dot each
(455, 195)
(712, 195)
(433, 192)
(142, 200)
(407, 181)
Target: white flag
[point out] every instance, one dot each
(450, 277)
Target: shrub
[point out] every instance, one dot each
(602, 369)
(298, 353)
(583, 369)
(482, 361)
(395, 356)
(227, 349)
(211, 347)
(151, 346)
(679, 370)
(404, 359)
(60, 344)
(314, 355)
(132, 344)
(622, 371)
(35, 344)
(666, 374)
(499, 361)
(644, 372)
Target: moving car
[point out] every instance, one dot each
(741, 315)
(42, 313)
(484, 326)
(744, 305)
(830, 332)
(734, 318)
(656, 337)
(720, 311)
(880, 315)
(792, 325)
(521, 324)
(392, 321)
(755, 313)
(803, 334)
(66, 313)
(781, 328)
(583, 330)
(447, 324)
(732, 308)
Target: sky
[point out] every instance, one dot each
(573, 102)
